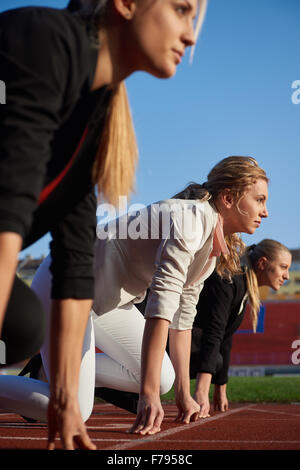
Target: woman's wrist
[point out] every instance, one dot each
(182, 387)
(220, 388)
(203, 382)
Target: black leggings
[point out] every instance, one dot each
(24, 325)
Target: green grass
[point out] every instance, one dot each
(266, 389)
(256, 390)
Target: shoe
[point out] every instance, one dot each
(32, 368)
(125, 400)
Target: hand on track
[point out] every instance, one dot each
(149, 416)
(68, 423)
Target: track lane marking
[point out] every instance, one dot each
(169, 432)
(275, 412)
(190, 441)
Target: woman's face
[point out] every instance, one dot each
(247, 214)
(274, 273)
(158, 34)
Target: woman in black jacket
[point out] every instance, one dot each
(65, 128)
(220, 312)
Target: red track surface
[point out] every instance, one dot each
(243, 427)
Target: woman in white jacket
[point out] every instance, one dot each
(170, 246)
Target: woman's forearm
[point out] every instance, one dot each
(180, 349)
(10, 246)
(203, 382)
(68, 324)
(153, 350)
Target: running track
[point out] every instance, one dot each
(243, 427)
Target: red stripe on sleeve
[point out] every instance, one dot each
(53, 184)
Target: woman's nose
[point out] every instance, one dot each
(265, 212)
(189, 37)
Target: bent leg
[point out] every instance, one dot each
(119, 335)
(24, 324)
(42, 286)
(30, 397)
(24, 396)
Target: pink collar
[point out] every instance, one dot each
(219, 243)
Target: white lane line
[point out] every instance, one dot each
(112, 418)
(107, 427)
(275, 412)
(174, 441)
(184, 427)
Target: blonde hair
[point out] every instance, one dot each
(269, 249)
(117, 155)
(235, 174)
(202, 7)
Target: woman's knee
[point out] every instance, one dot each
(24, 325)
(167, 376)
(86, 409)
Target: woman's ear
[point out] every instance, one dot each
(261, 263)
(227, 198)
(125, 8)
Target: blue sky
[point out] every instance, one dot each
(235, 99)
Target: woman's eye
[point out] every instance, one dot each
(181, 9)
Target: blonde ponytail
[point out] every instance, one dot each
(252, 286)
(116, 160)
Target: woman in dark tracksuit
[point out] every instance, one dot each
(220, 311)
(65, 127)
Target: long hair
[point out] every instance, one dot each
(94, 11)
(268, 248)
(236, 174)
(117, 155)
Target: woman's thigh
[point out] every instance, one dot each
(42, 286)
(119, 334)
(24, 324)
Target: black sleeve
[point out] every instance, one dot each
(221, 377)
(213, 311)
(34, 64)
(72, 251)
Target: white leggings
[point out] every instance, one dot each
(117, 333)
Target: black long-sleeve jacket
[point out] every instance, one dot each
(220, 311)
(49, 131)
